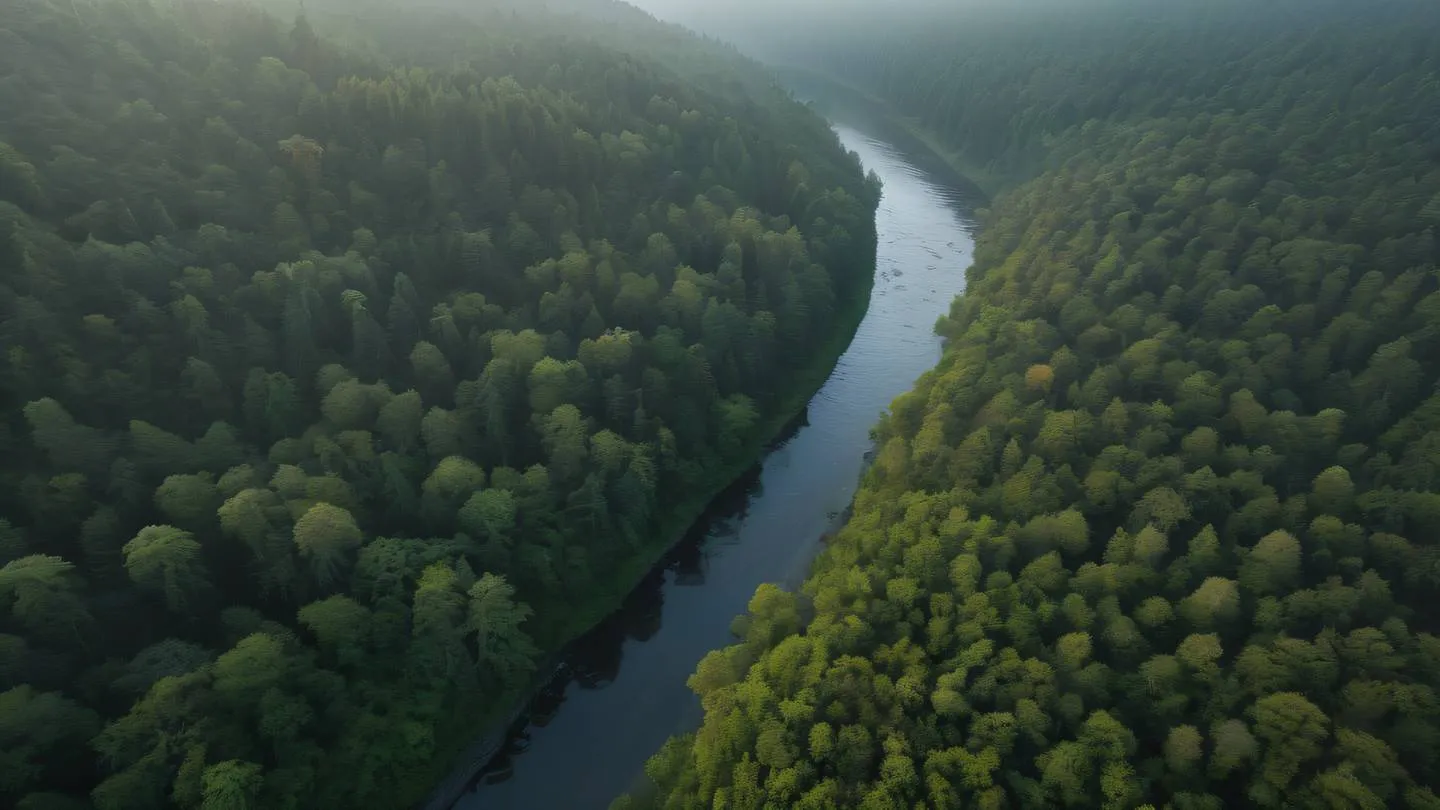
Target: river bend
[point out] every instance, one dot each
(621, 692)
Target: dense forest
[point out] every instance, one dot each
(343, 377)
(1161, 528)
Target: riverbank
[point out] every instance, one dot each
(622, 690)
(837, 97)
(469, 762)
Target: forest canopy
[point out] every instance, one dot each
(1160, 529)
(341, 375)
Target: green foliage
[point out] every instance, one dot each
(1156, 531)
(167, 561)
(327, 536)
(40, 734)
(341, 378)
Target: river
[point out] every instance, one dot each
(621, 692)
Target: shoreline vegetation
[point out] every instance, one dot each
(471, 763)
(833, 88)
(345, 378)
(1157, 532)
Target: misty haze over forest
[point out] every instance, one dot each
(362, 364)
(773, 31)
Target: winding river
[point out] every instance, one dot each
(621, 692)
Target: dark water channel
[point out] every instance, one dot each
(621, 691)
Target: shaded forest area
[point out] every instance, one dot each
(1161, 528)
(342, 376)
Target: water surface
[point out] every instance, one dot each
(621, 692)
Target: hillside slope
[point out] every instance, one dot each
(342, 378)
(1160, 528)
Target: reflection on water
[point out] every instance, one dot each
(620, 691)
(593, 661)
(853, 109)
